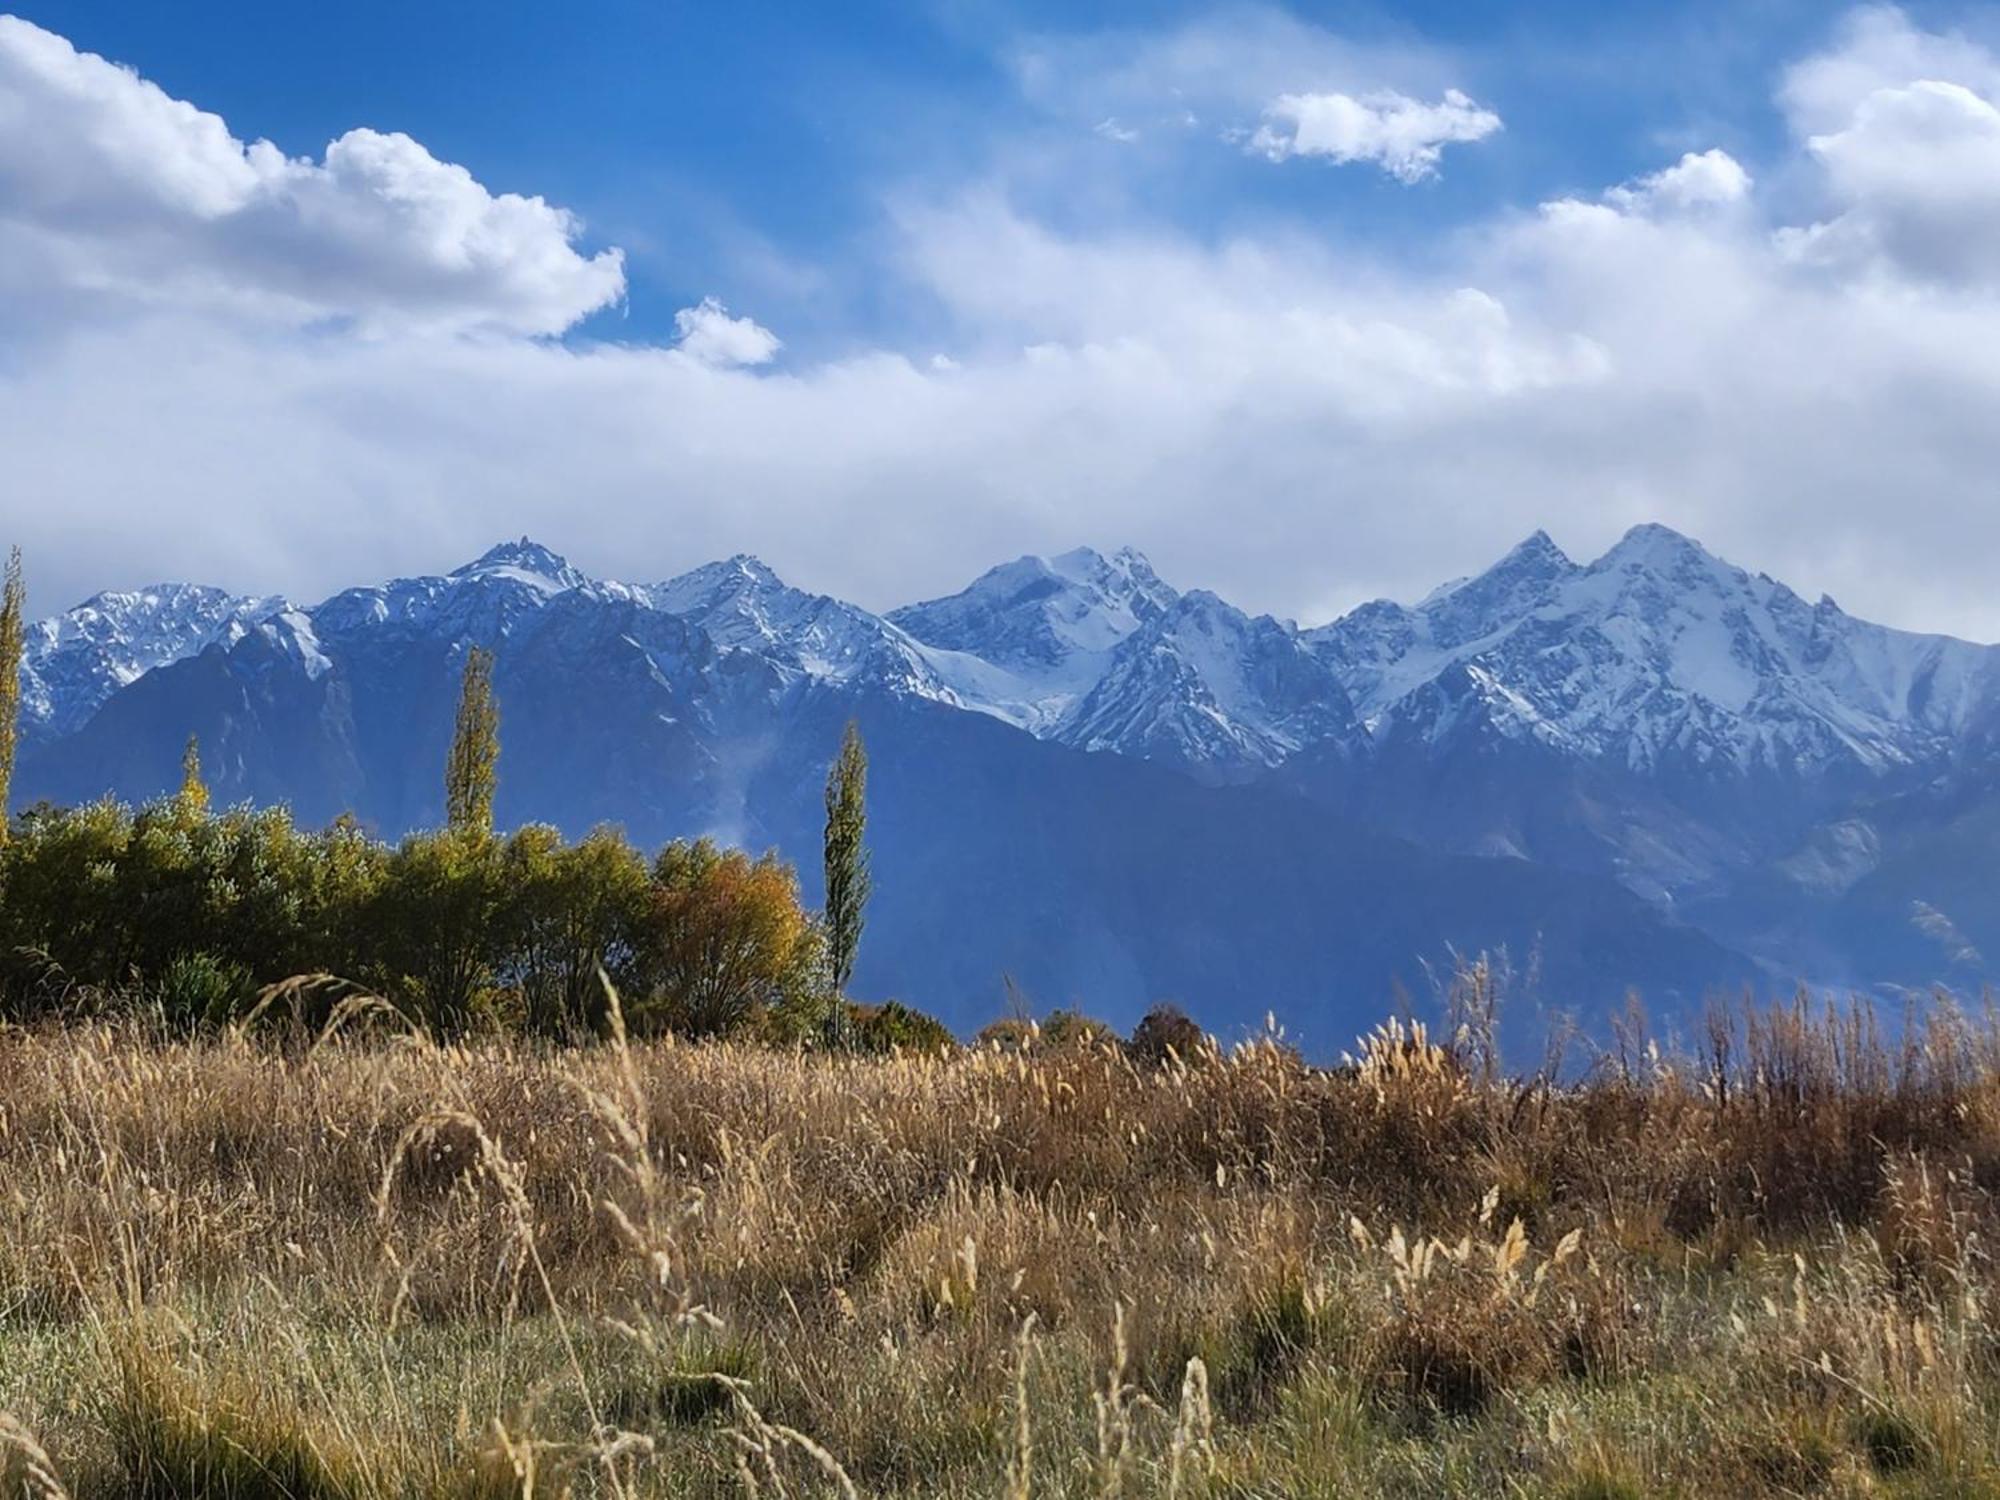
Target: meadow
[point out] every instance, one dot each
(353, 1262)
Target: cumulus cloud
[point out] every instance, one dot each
(1918, 170)
(1700, 179)
(1404, 136)
(1877, 47)
(1296, 421)
(1905, 127)
(709, 334)
(113, 193)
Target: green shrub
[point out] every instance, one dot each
(895, 1027)
(1008, 1034)
(1071, 1028)
(199, 988)
(459, 929)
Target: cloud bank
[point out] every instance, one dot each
(223, 363)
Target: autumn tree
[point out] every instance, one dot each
(571, 914)
(725, 940)
(192, 800)
(471, 771)
(13, 645)
(847, 879)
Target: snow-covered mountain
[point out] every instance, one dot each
(1655, 658)
(485, 599)
(1202, 686)
(1807, 786)
(1026, 641)
(79, 658)
(711, 704)
(1659, 655)
(1099, 653)
(745, 608)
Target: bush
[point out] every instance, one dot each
(1163, 1031)
(1071, 1028)
(1008, 1034)
(894, 1027)
(458, 929)
(199, 988)
(569, 912)
(723, 939)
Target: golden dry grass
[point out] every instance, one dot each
(374, 1267)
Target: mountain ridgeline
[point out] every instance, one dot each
(1650, 771)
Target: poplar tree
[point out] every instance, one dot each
(193, 798)
(13, 646)
(470, 775)
(847, 880)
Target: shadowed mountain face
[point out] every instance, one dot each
(1652, 770)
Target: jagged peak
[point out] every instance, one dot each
(153, 594)
(741, 573)
(1032, 565)
(1652, 544)
(1537, 547)
(1082, 566)
(1522, 572)
(1078, 560)
(523, 556)
(1088, 564)
(1535, 555)
(1207, 604)
(148, 620)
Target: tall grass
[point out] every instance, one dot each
(369, 1266)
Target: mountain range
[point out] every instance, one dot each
(1653, 770)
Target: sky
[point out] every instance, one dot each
(1311, 305)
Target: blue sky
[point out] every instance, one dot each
(1311, 304)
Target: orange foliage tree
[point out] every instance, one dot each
(726, 941)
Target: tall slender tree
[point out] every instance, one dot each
(848, 883)
(471, 774)
(13, 646)
(193, 798)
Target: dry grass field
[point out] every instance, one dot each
(372, 1267)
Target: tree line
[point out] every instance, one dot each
(191, 911)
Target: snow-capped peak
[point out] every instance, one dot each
(1037, 612)
(77, 659)
(1205, 686)
(527, 562)
(1657, 651)
(1028, 639)
(743, 605)
(489, 597)
(705, 587)
(1651, 545)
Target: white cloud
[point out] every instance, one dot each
(1700, 179)
(1877, 47)
(1917, 169)
(1904, 126)
(1404, 136)
(709, 334)
(113, 194)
